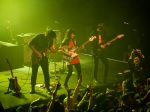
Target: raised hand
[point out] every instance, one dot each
(120, 36)
(92, 38)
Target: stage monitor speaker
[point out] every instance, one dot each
(115, 67)
(13, 53)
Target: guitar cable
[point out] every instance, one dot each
(24, 83)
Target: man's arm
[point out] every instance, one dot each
(35, 51)
(53, 49)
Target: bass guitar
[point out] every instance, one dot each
(112, 40)
(13, 83)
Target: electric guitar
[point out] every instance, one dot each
(69, 55)
(39, 57)
(13, 83)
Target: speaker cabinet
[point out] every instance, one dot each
(13, 53)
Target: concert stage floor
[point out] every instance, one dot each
(58, 71)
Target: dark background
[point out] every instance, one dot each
(129, 17)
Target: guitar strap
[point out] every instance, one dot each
(100, 39)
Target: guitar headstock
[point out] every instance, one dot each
(120, 36)
(92, 38)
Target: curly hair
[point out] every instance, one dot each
(68, 33)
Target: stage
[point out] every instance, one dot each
(58, 72)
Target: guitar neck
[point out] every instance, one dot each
(117, 37)
(112, 40)
(80, 47)
(10, 68)
(85, 43)
(12, 73)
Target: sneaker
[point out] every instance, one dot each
(17, 93)
(32, 91)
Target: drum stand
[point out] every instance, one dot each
(55, 71)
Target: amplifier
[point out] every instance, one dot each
(12, 52)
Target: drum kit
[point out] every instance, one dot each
(59, 63)
(24, 38)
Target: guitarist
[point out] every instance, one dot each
(40, 45)
(68, 44)
(98, 53)
(98, 46)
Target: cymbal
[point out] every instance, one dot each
(26, 34)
